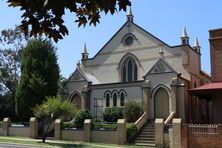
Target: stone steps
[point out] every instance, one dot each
(146, 136)
(145, 144)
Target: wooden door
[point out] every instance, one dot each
(161, 103)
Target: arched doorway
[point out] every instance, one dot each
(77, 99)
(161, 108)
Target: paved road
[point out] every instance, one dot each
(4, 145)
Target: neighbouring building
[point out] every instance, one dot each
(136, 65)
(207, 99)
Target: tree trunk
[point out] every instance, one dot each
(44, 133)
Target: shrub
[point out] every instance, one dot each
(105, 126)
(1, 123)
(131, 131)
(112, 114)
(69, 124)
(132, 111)
(80, 118)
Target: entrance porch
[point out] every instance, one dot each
(205, 105)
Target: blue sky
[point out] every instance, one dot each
(164, 19)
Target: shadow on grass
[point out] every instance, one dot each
(63, 145)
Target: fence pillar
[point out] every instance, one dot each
(220, 133)
(159, 133)
(6, 124)
(33, 127)
(176, 133)
(121, 131)
(58, 125)
(146, 97)
(87, 130)
(174, 96)
(184, 137)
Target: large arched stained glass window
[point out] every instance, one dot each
(129, 70)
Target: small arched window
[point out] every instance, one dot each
(114, 100)
(129, 70)
(107, 100)
(122, 99)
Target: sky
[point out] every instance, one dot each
(165, 19)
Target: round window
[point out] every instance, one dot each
(129, 40)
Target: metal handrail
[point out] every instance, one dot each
(169, 118)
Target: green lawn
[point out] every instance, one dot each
(60, 143)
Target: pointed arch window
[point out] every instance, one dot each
(107, 100)
(114, 100)
(129, 70)
(122, 99)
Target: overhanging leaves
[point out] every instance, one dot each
(46, 16)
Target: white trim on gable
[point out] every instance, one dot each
(161, 66)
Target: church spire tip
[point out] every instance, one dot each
(130, 15)
(184, 33)
(196, 43)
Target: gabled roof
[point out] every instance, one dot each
(161, 66)
(84, 76)
(77, 75)
(125, 24)
(156, 38)
(110, 40)
(151, 35)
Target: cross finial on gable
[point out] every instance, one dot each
(78, 64)
(85, 53)
(161, 53)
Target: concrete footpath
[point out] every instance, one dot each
(51, 142)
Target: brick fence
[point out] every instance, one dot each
(117, 136)
(200, 135)
(23, 131)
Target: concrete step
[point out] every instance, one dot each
(145, 138)
(144, 141)
(145, 144)
(146, 135)
(148, 126)
(148, 130)
(152, 129)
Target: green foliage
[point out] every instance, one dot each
(46, 16)
(55, 107)
(62, 85)
(12, 42)
(80, 118)
(112, 114)
(131, 131)
(132, 111)
(39, 76)
(106, 126)
(69, 124)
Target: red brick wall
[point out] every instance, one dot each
(196, 140)
(204, 140)
(216, 64)
(216, 54)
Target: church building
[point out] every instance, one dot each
(136, 65)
